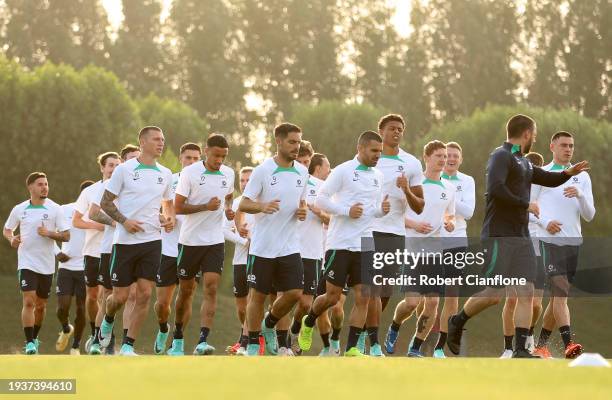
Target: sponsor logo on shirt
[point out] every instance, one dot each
(375, 182)
(202, 179)
(355, 176)
(575, 179)
(136, 175)
(274, 181)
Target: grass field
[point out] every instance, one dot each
(149, 377)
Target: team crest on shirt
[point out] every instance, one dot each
(45, 217)
(299, 183)
(575, 179)
(459, 188)
(312, 192)
(375, 182)
(443, 196)
(160, 180)
(400, 168)
(223, 184)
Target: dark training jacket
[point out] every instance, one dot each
(509, 179)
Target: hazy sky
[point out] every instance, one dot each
(113, 8)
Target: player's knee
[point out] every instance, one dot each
(412, 302)
(210, 289)
(511, 302)
(431, 303)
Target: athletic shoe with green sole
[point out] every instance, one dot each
(305, 335)
(353, 352)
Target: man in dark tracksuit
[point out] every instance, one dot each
(505, 230)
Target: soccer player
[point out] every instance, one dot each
(276, 194)
(312, 236)
(134, 195)
(403, 176)
(455, 241)
(560, 234)
(238, 232)
(41, 222)
(103, 276)
(426, 229)
(167, 275)
(71, 282)
(94, 232)
(306, 153)
(505, 229)
(352, 194)
(203, 194)
(510, 303)
(128, 152)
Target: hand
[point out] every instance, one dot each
(578, 168)
(213, 204)
(534, 209)
(554, 227)
(271, 207)
(571, 192)
(229, 214)
(243, 231)
(386, 205)
(423, 228)
(16, 241)
(132, 226)
(301, 211)
(42, 230)
(402, 182)
(356, 211)
(62, 257)
(168, 223)
(449, 226)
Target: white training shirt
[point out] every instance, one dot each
(276, 235)
(311, 229)
(170, 239)
(199, 186)
(74, 247)
(349, 183)
(241, 250)
(439, 201)
(555, 206)
(533, 224)
(140, 190)
(36, 252)
(106, 247)
(392, 168)
(93, 237)
(465, 202)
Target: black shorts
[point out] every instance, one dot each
(540, 274)
(194, 259)
(130, 262)
(348, 268)
(30, 280)
(454, 269)
(241, 287)
(280, 273)
(167, 274)
(312, 268)
(91, 266)
(321, 287)
(70, 283)
(559, 261)
(510, 257)
(388, 243)
(425, 276)
(104, 278)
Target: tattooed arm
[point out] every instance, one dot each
(96, 214)
(108, 206)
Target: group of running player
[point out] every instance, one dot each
(305, 235)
